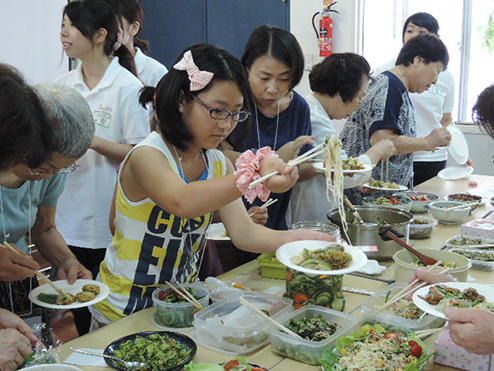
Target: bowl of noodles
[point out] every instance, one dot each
(401, 202)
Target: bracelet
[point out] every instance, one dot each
(247, 167)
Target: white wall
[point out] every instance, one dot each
(30, 32)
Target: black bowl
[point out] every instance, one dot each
(179, 338)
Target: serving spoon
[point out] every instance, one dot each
(426, 260)
(129, 365)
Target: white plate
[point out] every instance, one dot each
(319, 167)
(486, 290)
(217, 232)
(458, 147)
(69, 289)
(402, 188)
(286, 252)
(455, 172)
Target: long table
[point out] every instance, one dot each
(141, 321)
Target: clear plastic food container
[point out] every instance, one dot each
(305, 350)
(177, 315)
(371, 314)
(230, 328)
(468, 240)
(478, 264)
(422, 231)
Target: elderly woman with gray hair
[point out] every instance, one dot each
(29, 195)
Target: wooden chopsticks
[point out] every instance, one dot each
(40, 275)
(424, 333)
(267, 204)
(185, 294)
(316, 151)
(410, 289)
(248, 305)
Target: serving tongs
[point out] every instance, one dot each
(354, 211)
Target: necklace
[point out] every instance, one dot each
(277, 123)
(189, 230)
(402, 78)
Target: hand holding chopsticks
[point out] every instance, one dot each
(248, 305)
(187, 296)
(40, 275)
(265, 205)
(316, 151)
(422, 334)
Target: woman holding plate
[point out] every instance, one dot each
(386, 111)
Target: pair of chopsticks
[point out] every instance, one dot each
(268, 203)
(316, 151)
(40, 275)
(185, 294)
(248, 305)
(422, 334)
(410, 289)
(466, 204)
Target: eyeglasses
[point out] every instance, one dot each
(223, 114)
(67, 170)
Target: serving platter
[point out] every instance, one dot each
(286, 252)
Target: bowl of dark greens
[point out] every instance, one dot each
(173, 311)
(161, 350)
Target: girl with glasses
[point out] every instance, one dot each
(171, 183)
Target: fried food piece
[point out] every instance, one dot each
(91, 288)
(85, 296)
(65, 299)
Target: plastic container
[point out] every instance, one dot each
(371, 314)
(419, 206)
(178, 315)
(422, 231)
(324, 227)
(454, 242)
(225, 293)
(478, 264)
(480, 228)
(271, 267)
(442, 211)
(310, 351)
(405, 203)
(230, 328)
(404, 267)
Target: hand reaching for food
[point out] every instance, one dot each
(259, 214)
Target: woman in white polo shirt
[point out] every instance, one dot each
(149, 70)
(90, 32)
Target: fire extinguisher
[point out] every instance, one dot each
(325, 34)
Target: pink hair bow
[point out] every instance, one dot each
(198, 79)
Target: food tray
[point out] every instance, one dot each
(478, 264)
(230, 328)
(271, 267)
(370, 314)
(310, 351)
(449, 244)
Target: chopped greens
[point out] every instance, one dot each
(313, 329)
(160, 352)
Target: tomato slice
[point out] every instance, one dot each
(415, 348)
(231, 364)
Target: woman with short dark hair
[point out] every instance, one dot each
(386, 111)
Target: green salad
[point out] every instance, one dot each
(374, 349)
(313, 329)
(160, 352)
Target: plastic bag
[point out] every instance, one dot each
(47, 354)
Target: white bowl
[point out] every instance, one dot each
(52, 367)
(417, 205)
(405, 202)
(404, 260)
(442, 212)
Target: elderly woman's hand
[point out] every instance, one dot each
(438, 138)
(473, 329)
(10, 320)
(16, 267)
(73, 270)
(14, 347)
